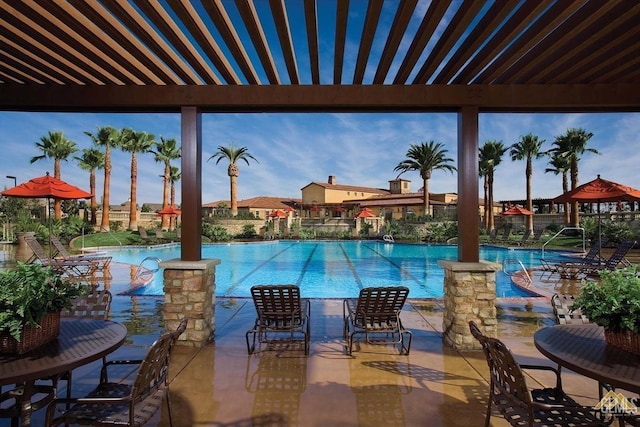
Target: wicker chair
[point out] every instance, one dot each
(521, 406)
(119, 403)
(376, 312)
(282, 316)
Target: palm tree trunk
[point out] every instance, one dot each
(425, 187)
(57, 204)
(165, 195)
(575, 216)
(565, 188)
(173, 221)
(133, 211)
(486, 202)
(233, 181)
(529, 218)
(490, 225)
(104, 226)
(94, 204)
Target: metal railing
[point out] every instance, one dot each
(563, 230)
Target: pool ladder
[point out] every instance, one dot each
(505, 269)
(143, 272)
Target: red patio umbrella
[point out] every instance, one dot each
(47, 187)
(599, 190)
(278, 214)
(365, 213)
(517, 210)
(169, 210)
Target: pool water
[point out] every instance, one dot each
(331, 269)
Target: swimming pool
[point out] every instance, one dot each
(331, 269)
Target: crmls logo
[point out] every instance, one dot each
(616, 403)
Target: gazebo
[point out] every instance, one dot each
(207, 57)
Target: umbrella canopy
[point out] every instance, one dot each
(169, 210)
(599, 190)
(517, 210)
(365, 213)
(46, 186)
(278, 214)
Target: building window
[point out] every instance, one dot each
(405, 184)
(348, 193)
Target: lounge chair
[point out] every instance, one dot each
(120, 403)
(377, 312)
(520, 405)
(82, 269)
(493, 235)
(282, 316)
(537, 234)
(143, 234)
(525, 238)
(103, 262)
(506, 234)
(592, 269)
(591, 258)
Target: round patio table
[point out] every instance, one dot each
(80, 341)
(583, 349)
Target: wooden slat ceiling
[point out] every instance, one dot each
(285, 43)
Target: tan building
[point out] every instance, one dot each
(326, 199)
(260, 206)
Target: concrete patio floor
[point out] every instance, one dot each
(220, 385)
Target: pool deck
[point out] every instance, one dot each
(220, 385)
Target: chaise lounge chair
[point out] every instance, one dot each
(592, 258)
(593, 269)
(282, 316)
(377, 312)
(102, 262)
(81, 269)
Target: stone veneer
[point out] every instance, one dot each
(469, 294)
(189, 290)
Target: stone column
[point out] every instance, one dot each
(469, 294)
(189, 290)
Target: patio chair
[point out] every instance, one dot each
(537, 235)
(587, 269)
(493, 235)
(506, 234)
(103, 262)
(522, 406)
(143, 234)
(121, 403)
(376, 312)
(282, 316)
(71, 268)
(525, 238)
(564, 312)
(591, 258)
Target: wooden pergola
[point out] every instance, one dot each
(207, 56)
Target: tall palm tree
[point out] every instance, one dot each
(174, 176)
(490, 157)
(135, 142)
(483, 172)
(166, 150)
(425, 158)
(108, 138)
(561, 166)
(91, 160)
(57, 147)
(526, 149)
(233, 155)
(572, 145)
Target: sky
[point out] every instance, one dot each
(293, 150)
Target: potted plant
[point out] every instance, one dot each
(31, 298)
(614, 303)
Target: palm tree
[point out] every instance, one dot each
(233, 155)
(91, 160)
(425, 158)
(166, 150)
(490, 156)
(174, 176)
(483, 172)
(135, 142)
(108, 138)
(561, 166)
(526, 149)
(57, 147)
(572, 145)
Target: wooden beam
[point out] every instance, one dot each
(468, 212)
(191, 180)
(308, 98)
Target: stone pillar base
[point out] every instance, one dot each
(189, 290)
(469, 294)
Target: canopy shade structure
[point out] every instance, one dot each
(365, 213)
(169, 210)
(278, 214)
(599, 190)
(517, 210)
(47, 187)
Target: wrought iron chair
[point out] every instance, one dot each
(119, 403)
(520, 405)
(377, 312)
(564, 312)
(282, 316)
